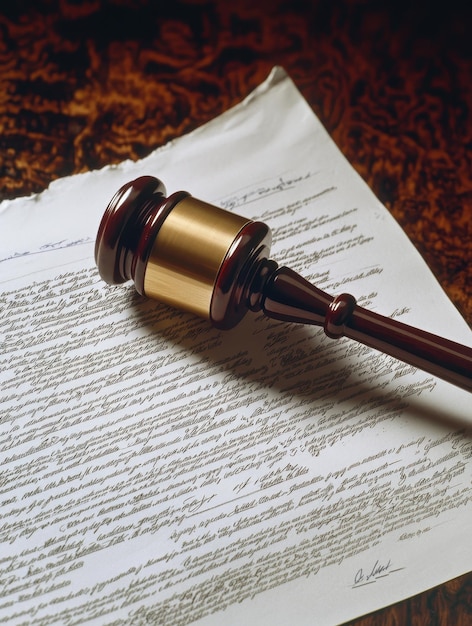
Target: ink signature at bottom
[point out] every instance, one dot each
(380, 569)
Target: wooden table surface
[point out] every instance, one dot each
(89, 83)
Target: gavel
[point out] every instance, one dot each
(211, 262)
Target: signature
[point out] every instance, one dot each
(380, 569)
(58, 245)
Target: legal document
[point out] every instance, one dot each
(155, 470)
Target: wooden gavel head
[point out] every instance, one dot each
(184, 252)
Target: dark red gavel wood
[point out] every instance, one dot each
(247, 280)
(287, 296)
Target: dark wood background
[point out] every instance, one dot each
(85, 83)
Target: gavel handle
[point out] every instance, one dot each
(287, 296)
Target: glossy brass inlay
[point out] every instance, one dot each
(188, 252)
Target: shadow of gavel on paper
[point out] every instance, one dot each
(208, 261)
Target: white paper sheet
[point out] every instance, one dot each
(155, 470)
